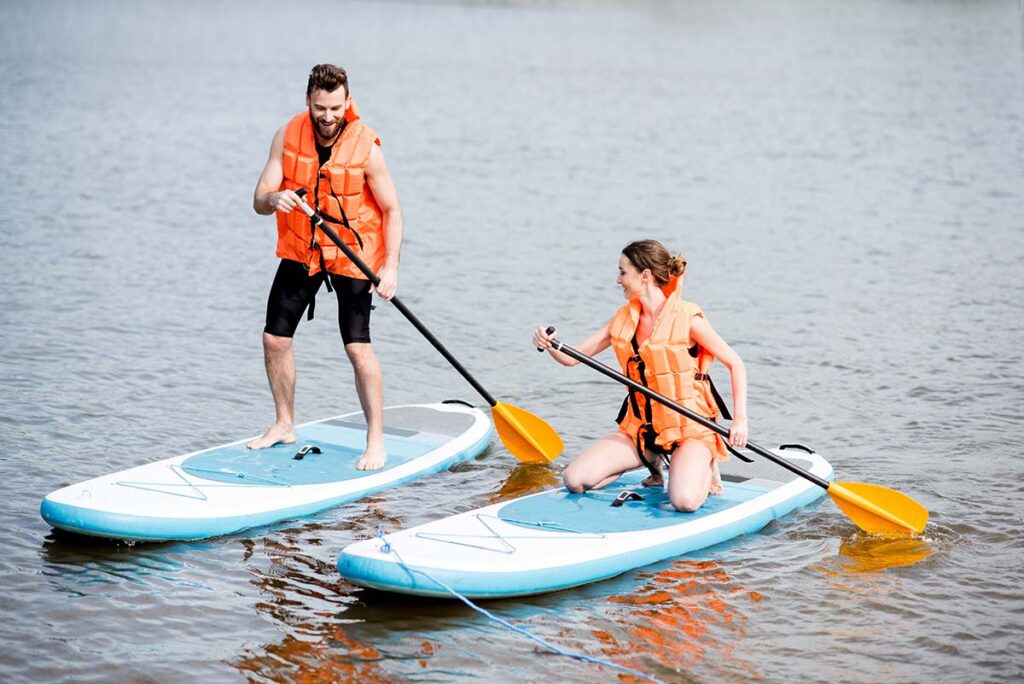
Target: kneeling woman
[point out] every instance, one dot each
(664, 343)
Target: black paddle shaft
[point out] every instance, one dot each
(651, 394)
(368, 272)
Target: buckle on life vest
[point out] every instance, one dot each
(700, 377)
(646, 440)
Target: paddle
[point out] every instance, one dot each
(529, 438)
(874, 509)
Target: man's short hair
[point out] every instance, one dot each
(327, 77)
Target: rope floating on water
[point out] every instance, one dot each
(386, 547)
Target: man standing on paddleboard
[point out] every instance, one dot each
(336, 158)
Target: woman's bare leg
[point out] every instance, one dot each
(601, 463)
(690, 475)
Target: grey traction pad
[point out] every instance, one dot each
(762, 468)
(409, 420)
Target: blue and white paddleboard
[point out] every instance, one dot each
(230, 488)
(555, 539)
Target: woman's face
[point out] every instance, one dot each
(630, 279)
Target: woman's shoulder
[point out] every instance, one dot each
(688, 308)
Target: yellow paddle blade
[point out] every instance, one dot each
(529, 438)
(879, 510)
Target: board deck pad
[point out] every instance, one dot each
(593, 511)
(229, 488)
(341, 443)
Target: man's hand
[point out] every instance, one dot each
(283, 201)
(388, 286)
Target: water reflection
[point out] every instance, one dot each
(77, 562)
(331, 655)
(863, 553)
(526, 478)
(331, 630)
(680, 616)
(302, 594)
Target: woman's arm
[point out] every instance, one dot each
(704, 335)
(595, 344)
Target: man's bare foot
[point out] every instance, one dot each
(277, 434)
(373, 458)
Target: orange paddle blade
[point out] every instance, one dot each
(879, 510)
(529, 438)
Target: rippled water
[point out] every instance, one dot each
(845, 179)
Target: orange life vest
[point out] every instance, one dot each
(338, 191)
(671, 363)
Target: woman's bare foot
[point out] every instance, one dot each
(716, 479)
(277, 434)
(373, 458)
(652, 481)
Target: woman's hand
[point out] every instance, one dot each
(542, 340)
(738, 432)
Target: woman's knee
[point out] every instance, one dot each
(573, 481)
(687, 500)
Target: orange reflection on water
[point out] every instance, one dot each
(681, 616)
(526, 478)
(306, 599)
(332, 656)
(874, 554)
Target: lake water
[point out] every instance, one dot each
(845, 179)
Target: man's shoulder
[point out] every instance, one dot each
(295, 120)
(362, 130)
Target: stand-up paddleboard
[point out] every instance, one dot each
(230, 488)
(555, 539)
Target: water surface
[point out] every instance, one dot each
(844, 178)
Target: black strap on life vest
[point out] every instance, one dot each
(343, 221)
(315, 246)
(646, 437)
(722, 408)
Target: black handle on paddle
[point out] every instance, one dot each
(550, 330)
(696, 417)
(368, 272)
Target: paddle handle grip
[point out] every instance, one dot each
(372, 277)
(696, 417)
(550, 330)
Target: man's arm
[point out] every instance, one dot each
(383, 189)
(268, 196)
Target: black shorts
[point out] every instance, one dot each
(294, 289)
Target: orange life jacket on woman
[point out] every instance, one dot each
(338, 191)
(671, 363)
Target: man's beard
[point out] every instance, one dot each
(328, 131)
